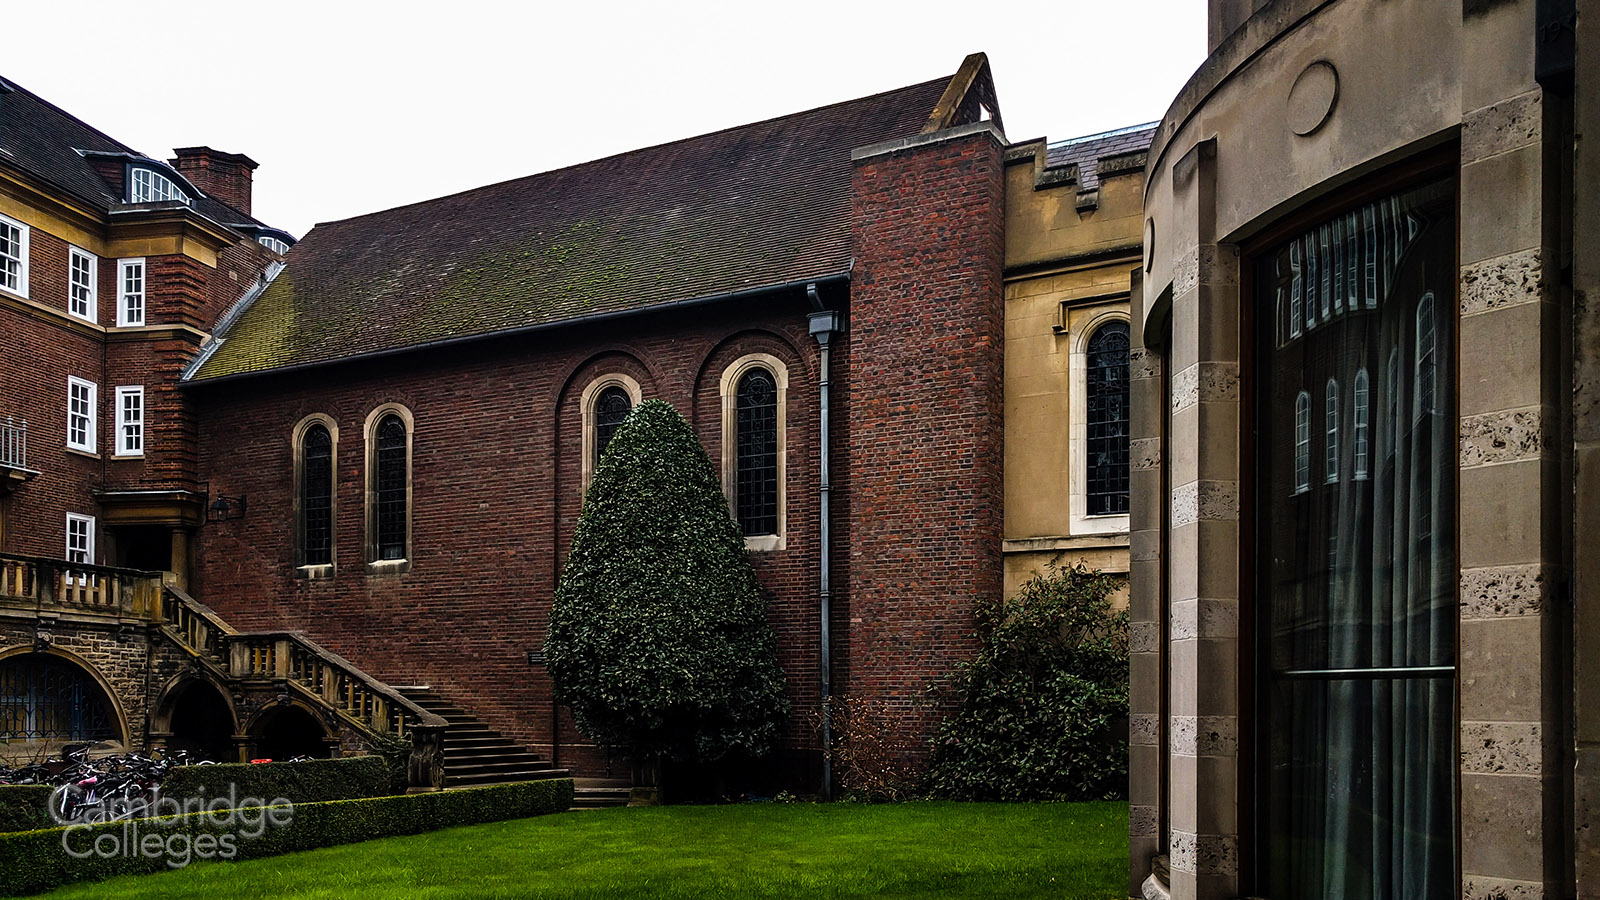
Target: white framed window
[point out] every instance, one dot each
(150, 186)
(80, 539)
(276, 245)
(605, 402)
(14, 256)
(755, 392)
(83, 270)
(80, 414)
(130, 421)
(130, 292)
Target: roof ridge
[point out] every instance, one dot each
(1115, 132)
(647, 147)
(74, 118)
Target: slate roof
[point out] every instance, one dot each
(1087, 151)
(756, 205)
(43, 140)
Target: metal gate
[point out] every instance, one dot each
(42, 698)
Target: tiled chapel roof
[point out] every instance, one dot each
(761, 204)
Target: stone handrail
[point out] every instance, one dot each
(69, 586)
(295, 659)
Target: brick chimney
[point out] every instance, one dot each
(225, 176)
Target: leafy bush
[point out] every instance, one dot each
(34, 861)
(659, 641)
(873, 748)
(396, 755)
(1044, 704)
(24, 807)
(308, 781)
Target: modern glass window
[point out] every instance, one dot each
(392, 488)
(316, 496)
(610, 408)
(82, 276)
(130, 292)
(276, 245)
(756, 482)
(150, 186)
(80, 539)
(81, 414)
(14, 256)
(1107, 425)
(1356, 583)
(130, 421)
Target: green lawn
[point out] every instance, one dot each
(759, 850)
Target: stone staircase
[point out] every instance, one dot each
(600, 793)
(475, 754)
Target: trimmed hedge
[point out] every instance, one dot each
(35, 861)
(310, 781)
(24, 807)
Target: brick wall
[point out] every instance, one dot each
(924, 497)
(496, 494)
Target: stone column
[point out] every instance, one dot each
(1145, 649)
(1203, 544)
(1512, 833)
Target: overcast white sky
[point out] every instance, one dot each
(352, 107)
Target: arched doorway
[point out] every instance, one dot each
(200, 720)
(47, 700)
(284, 732)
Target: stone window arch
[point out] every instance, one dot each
(389, 430)
(601, 400)
(755, 390)
(315, 443)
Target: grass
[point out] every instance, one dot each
(751, 851)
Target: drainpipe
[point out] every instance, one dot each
(824, 322)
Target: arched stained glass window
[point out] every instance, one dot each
(610, 408)
(756, 485)
(316, 496)
(1332, 415)
(390, 515)
(1363, 448)
(1302, 442)
(1107, 422)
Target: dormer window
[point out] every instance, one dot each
(276, 245)
(150, 186)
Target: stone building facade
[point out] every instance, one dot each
(1363, 379)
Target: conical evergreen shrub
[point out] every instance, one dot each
(659, 641)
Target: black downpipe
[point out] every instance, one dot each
(824, 323)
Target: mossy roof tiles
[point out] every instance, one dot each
(761, 204)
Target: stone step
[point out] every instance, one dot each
(504, 777)
(600, 797)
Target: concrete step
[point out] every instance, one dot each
(504, 777)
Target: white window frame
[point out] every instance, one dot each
(1082, 330)
(146, 185)
(130, 429)
(587, 401)
(86, 291)
(92, 391)
(125, 314)
(21, 287)
(1302, 442)
(276, 245)
(86, 526)
(729, 390)
(1331, 420)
